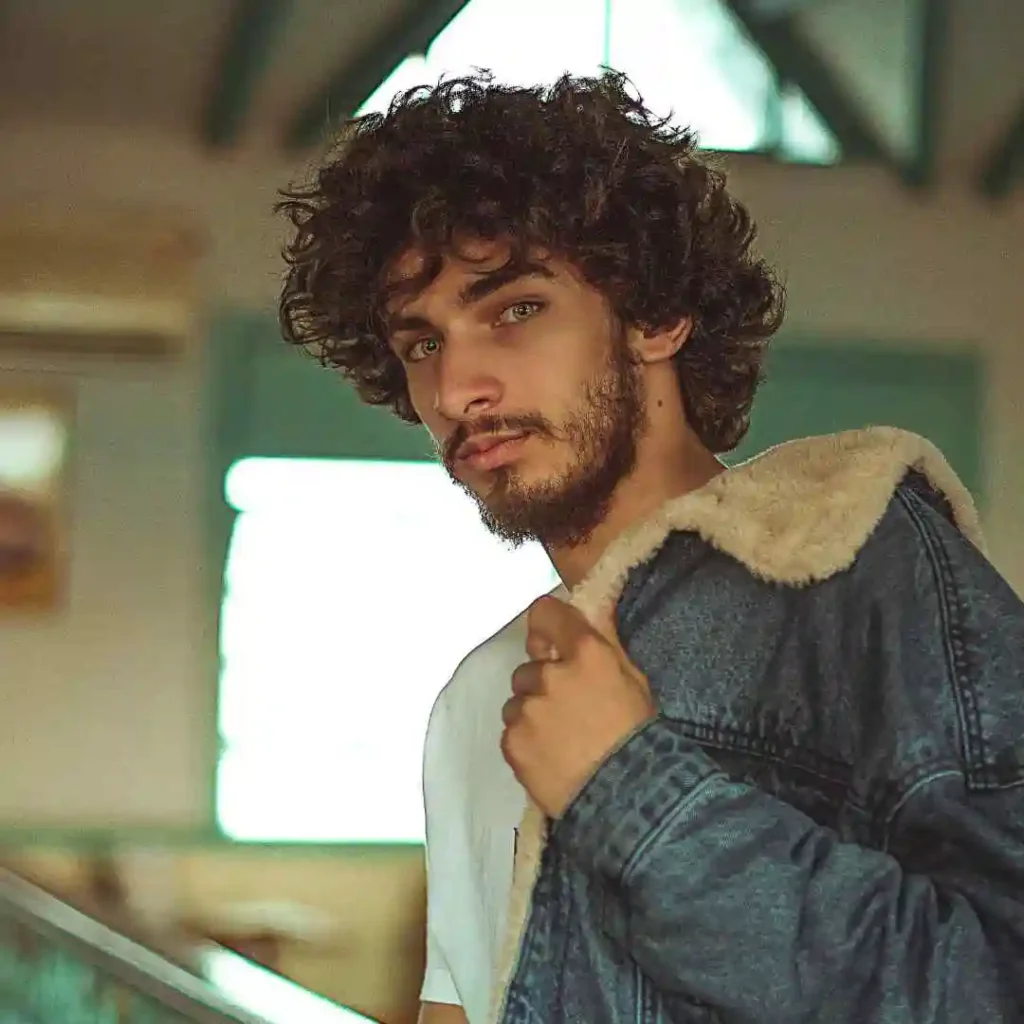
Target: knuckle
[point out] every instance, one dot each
(510, 710)
(506, 749)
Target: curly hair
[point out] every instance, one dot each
(581, 170)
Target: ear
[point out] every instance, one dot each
(660, 345)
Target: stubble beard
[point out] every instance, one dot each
(603, 435)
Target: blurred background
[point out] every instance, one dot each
(210, 739)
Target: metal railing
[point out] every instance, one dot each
(60, 966)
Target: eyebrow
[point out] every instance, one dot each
(477, 290)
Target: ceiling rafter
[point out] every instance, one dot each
(932, 61)
(773, 8)
(1003, 169)
(255, 28)
(352, 84)
(773, 29)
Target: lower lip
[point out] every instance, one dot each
(493, 458)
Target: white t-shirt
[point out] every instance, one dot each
(473, 807)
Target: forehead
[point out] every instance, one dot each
(416, 274)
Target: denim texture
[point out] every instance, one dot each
(825, 822)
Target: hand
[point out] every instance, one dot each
(572, 704)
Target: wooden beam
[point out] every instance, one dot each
(1004, 167)
(773, 8)
(347, 90)
(254, 30)
(932, 56)
(796, 60)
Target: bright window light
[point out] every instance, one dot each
(528, 42)
(804, 136)
(687, 58)
(271, 996)
(353, 589)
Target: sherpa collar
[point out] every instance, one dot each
(797, 514)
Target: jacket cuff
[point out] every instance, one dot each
(636, 790)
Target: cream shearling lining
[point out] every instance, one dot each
(796, 514)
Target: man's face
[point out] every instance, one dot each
(524, 379)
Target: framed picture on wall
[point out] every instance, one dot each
(35, 428)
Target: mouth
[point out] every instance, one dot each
(490, 452)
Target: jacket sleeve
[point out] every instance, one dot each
(729, 897)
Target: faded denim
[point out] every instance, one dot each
(825, 822)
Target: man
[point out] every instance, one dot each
(773, 743)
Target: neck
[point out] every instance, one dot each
(660, 476)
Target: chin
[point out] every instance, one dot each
(515, 481)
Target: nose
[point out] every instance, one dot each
(465, 384)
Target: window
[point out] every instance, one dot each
(353, 589)
(687, 58)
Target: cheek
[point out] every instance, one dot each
(422, 398)
(435, 426)
(429, 419)
(562, 403)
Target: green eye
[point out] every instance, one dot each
(419, 350)
(519, 311)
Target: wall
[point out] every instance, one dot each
(863, 259)
(104, 700)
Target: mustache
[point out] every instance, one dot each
(484, 426)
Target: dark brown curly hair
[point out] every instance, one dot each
(581, 170)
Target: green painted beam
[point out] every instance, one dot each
(933, 52)
(249, 42)
(1004, 167)
(347, 90)
(772, 8)
(796, 60)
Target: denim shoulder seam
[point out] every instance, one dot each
(951, 613)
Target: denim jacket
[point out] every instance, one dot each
(825, 821)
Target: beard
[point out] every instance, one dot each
(602, 435)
